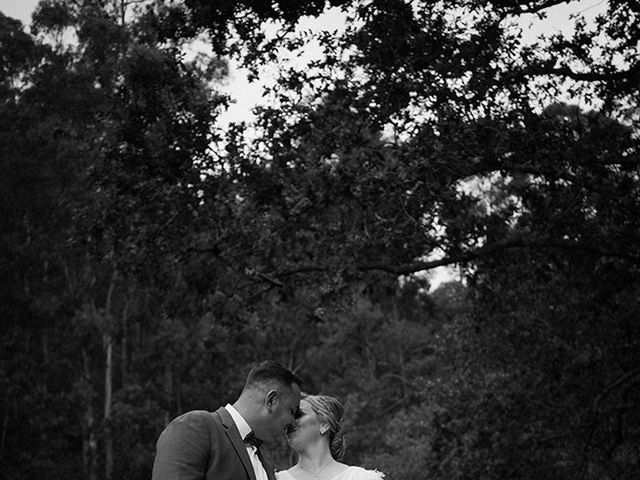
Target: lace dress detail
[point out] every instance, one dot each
(350, 473)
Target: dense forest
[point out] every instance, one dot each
(149, 253)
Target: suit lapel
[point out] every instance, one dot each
(233, 435)
(267, 467)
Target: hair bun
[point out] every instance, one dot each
(338, 445)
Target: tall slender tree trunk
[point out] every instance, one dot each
(400, 351)
(124, 354)
(108, 390)
(3, 437)
(168, 389)
(89, 442)
(108, 381)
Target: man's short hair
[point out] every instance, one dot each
(268, 372)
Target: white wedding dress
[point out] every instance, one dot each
(350, 473)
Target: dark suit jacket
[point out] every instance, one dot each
(201, 445)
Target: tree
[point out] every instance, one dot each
(102, 184)
(158, 249)
(471, 155)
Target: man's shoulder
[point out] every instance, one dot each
(195, 415)
(198, 417)
(200, 413)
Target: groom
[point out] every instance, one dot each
(224, 445)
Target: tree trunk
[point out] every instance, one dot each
(3, 438)
(108, 381)
(168, 390)
(400, 350)
(108, 386)
(89, 442)
(124, 366)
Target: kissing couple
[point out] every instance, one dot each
(225, 444)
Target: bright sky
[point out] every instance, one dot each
(247, 95)
(557, 16)
(20, 9)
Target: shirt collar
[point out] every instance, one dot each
(241, 423)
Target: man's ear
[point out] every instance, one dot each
(271, 399)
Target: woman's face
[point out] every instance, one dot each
(307, 429)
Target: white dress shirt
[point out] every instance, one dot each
(244, 429)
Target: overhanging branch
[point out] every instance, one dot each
(468, 256)
(534, 7)
(498, 248)
(592, 76)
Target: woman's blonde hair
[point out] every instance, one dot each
(329, 410)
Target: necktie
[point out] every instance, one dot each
(251, 439)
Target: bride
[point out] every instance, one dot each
(319, 443)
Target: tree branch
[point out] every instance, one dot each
(592, 76)
(269, 279)
(468, 256)
(497, 248)
(519, 10)
(456, 175)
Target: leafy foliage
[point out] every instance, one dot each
(148, 256)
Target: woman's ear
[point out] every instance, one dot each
(324, 428)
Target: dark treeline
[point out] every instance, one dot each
(149, 256)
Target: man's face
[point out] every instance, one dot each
(282, 415)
